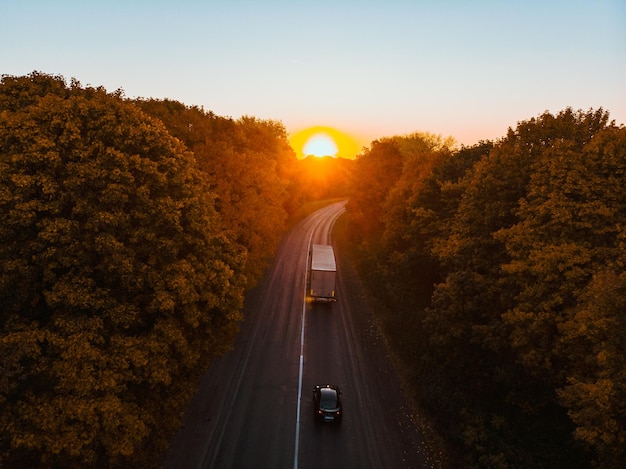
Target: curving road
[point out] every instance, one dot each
(253, 407)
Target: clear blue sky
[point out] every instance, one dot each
(466, 69)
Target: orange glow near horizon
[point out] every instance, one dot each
(323, 141)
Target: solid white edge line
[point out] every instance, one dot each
(300, 372)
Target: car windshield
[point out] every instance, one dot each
(328, 398)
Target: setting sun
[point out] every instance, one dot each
(320, 145)
(323, 141)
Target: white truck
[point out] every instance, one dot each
(322, 272)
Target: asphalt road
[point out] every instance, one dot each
(253, 408)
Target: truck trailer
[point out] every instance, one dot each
(322, 274)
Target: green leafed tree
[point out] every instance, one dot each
(117, 286)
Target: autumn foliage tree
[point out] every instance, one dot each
(250, 168)
(117, 282)
(567, 259)
(375, 174)
(520, 347)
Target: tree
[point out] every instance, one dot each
(528, 234)
(410, 224)
(568, 258)
(520, 346)
(376, 172)
(249, 165)
(116, 284)
(595, 388)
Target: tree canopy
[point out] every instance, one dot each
(249, 166)
(502, 266)
(118, 283)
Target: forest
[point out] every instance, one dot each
(131, 229)
(501, 271)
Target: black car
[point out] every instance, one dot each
(327, 403)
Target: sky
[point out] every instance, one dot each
(369, 68)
